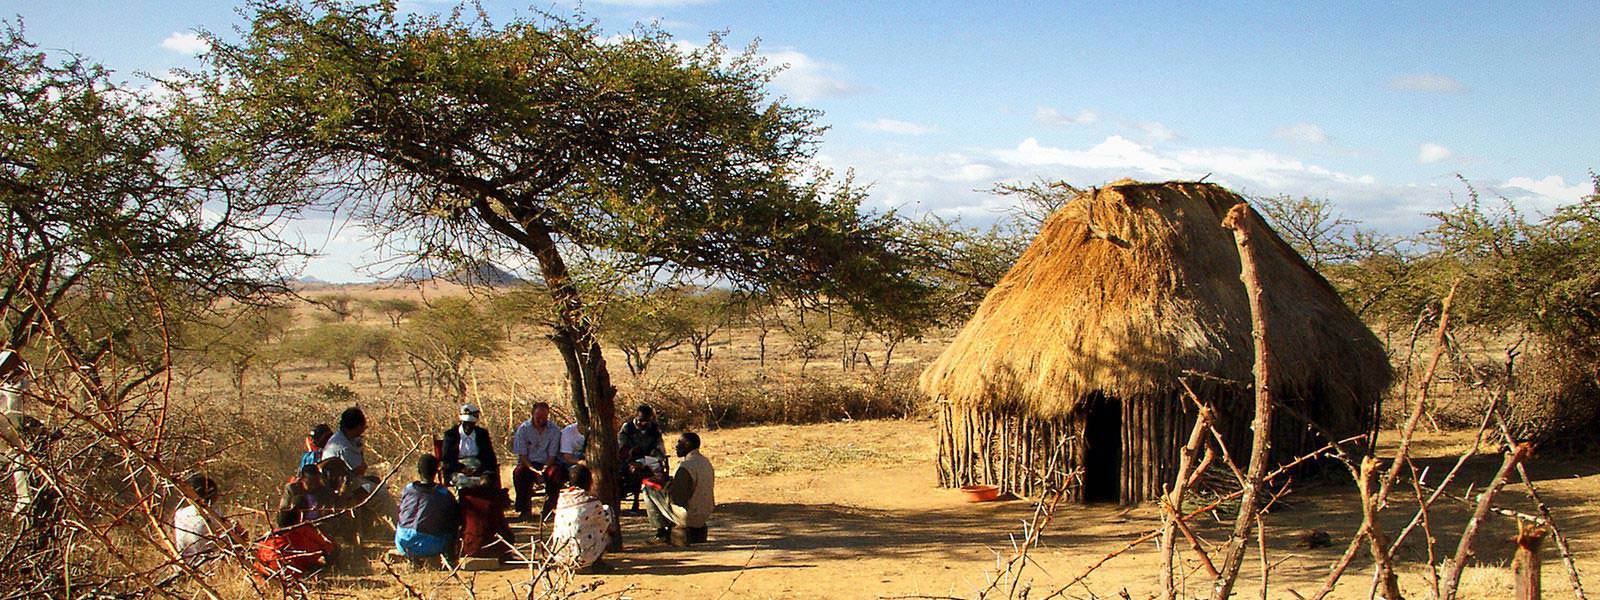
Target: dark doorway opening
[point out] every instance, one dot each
(1102, 455)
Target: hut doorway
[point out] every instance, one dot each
(1102, 451)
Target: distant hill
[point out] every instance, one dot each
(482, 273)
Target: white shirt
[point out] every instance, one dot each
(572, 441)
(468, 448)
(190, 531)
(343, 447)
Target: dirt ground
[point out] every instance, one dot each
(851, 510)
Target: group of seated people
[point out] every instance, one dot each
(456, 508)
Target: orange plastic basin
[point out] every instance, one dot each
(980, 493)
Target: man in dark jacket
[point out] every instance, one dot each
(643, 452)
(468, 450)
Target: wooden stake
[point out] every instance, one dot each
(1452, 576)
(1526, 563)
(1243, 221)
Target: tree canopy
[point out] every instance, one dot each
(462, 140)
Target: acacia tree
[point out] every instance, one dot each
(447, 337)
(108, 206)
(705, 314)
(116, 231)
(643, 325)
(762, 311)
(394, 309)
(542, 137)
(336, 344)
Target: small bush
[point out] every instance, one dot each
(1556, 398)
(334, 393)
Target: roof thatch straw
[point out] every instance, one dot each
(1128, 288)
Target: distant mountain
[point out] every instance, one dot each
(482, 273)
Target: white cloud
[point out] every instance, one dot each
(1429, 153)
(1045, 115)
(897, 127)
(1157, 132)
(806, 79)
(1118, 157)
(955, 185)
(1553, 186)
(1427, 82)
(186, 42)
(1302, 133)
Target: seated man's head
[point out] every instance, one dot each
(644, 415)
(427, 468)
(541, 413)
(688, 442)
(204, 488)
(353, 422)
(334, 471)
(319, 435)
(310, 477)
(580, 477)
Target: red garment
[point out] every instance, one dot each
(483, 514)
(293, 553)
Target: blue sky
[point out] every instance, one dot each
(1373, 106)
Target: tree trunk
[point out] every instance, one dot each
(1242, 221)
(592, 395)
(761, 349)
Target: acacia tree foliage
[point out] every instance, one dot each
(764, 312)
(341, 307)
(644, 324)
(540, 137)
(337, 344)
(115, 216)
(237, 341)
(1373, 272)
(394, 309)
(447, 336)
(705, 313)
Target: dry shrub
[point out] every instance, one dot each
(721, 400)
(253, 450)
(1555, 398)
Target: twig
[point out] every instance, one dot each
(1452, 576)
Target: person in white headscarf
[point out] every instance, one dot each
(582, 523)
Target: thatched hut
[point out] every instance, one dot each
(1130, 292)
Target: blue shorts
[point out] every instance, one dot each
(418, 544)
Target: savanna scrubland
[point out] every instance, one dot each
(694, 259)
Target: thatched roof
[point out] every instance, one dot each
(1130, 286)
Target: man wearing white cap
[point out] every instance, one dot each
(468, 450)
